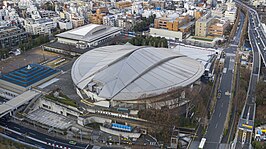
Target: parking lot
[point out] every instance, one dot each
(36, 55)
(64, 82)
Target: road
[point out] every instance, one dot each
(39, 139)
(246, 121)
(258, 29)
(216, 125)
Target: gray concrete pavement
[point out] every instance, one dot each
(216, 125)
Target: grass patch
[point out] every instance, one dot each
(225, 132)
(95, 126)
(63, 99)
(204, 39)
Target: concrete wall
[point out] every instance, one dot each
(57, 50)
(58, 107)
(93, 119)
(103, 39)
(201, 43)
(166, 33)
(12, 87)
(93, 96)
(7, 93)
(67, 41)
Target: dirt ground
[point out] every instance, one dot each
(36, 55)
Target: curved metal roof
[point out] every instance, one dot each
(126, 72)
(89, 32)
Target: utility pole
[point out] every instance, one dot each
(119, 138)
(80, 135)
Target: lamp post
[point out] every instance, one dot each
(80, 135)
(54, 144)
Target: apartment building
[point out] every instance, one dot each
(123, 4)
(77, 21)
(231, 12)
(126, 23)
(181, 24)
(39, 26)
(172, 24)
(198, 14)
(65, 24)
(219, 12)
(12, 36)
(202, 25)
(109, 20)
(218, 27)
(97, 18)
(47, 13)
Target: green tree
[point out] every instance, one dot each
(143, 42)
(257, 145)
(261, 93)
(149, 41)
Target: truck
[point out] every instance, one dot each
(202, 143)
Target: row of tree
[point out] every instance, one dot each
(34, 42)
(4, 53)
(144, 24)
(9, 144)
(166, 119)
(149, 41)
(260, 103)
(48, 6)
(259, 144)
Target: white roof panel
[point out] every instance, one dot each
(128, 72)
(84, 30)
(89, 33)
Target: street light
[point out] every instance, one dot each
(54, 144)
(80, 133)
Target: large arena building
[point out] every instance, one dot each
(88, 36)
(126, 74)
